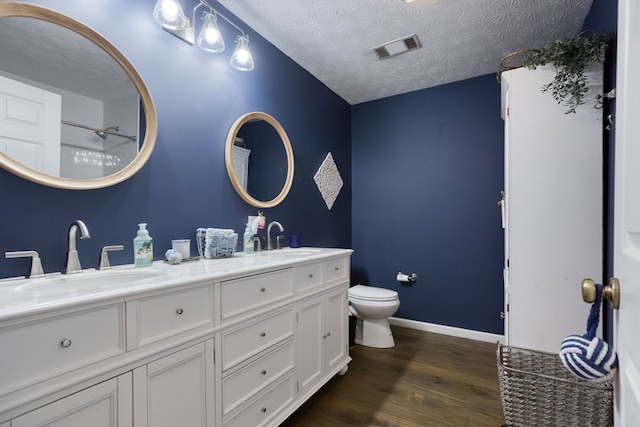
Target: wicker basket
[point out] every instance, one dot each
(220, 245)
(538, 390)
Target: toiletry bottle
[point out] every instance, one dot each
(142, 247)
(248, 240)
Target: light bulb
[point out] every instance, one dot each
(210, 38)
(169, 14)
(241, 58)
(169, 10)
(212, 35)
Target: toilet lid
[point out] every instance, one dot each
(372, 293)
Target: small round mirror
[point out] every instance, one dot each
(259, 159)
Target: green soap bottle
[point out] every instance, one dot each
(143, 247)
(248, 240)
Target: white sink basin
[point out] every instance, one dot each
(88, 281)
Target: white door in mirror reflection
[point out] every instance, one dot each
(30, 125)
(241, 164)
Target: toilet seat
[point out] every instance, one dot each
(371, 293)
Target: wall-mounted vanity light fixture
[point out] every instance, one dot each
(169, 14)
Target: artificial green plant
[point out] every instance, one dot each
(570, 57)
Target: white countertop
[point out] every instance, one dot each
(23, 297)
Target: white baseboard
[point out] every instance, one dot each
(446, 330)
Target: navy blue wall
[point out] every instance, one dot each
(185, 185)
(427, 173)
(427, 170)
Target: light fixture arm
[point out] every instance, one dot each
(193, 14)
(209, 38)
(204, 3)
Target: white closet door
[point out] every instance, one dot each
(554, 210)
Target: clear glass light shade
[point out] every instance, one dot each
(169, 14)
(210, 38)
(241, 58)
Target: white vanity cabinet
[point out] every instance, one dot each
(234, 343)
(176, 390)
(106, 404)
(321, 337)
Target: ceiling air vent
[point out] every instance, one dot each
(397, 47)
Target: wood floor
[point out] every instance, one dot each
(425, 380)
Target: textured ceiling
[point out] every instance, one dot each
(332, 39)
(53, 55)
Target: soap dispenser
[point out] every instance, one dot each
(248, 240)
(143, 247)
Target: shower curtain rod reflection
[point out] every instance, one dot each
(102, 133)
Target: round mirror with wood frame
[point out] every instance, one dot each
(43, 16)
(229, 159)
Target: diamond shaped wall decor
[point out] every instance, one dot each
(328, 180)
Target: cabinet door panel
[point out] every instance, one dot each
(96, 406)
(336, 323)
(310, 343)
(173, 391)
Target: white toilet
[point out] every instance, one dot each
(373, 307)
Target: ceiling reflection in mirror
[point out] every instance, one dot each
(74, 111)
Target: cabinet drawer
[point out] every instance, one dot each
(246, 382)
(259, 412)
(336, 270)
(161, 316)
(247, 293)
(308, 276)
(44, 348)
(95, 406)
(242, 343)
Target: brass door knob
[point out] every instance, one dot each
(610, 292)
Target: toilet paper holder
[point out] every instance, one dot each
(406, 278)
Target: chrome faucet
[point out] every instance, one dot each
(103, 263)
(36, 264)
(271, 224)
(73, 262)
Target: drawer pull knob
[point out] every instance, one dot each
(179, 311)
(262, 334)
(328, 334)
(310, 275)
(263, 409)
(66, 343)
(263, 289)
(336, 268)
(264, 372)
